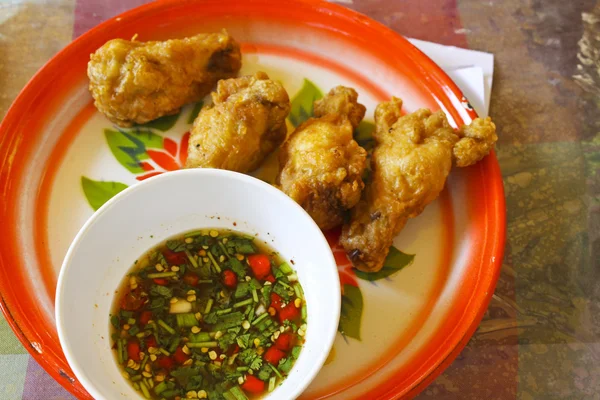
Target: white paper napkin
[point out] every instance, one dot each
(471, 70)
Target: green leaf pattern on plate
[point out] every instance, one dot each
(351, 313)
(162, 124)
(129, 147)
(394, 262)
(302, 104)
(195, 111)
(99, 192)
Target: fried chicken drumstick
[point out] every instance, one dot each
(411, 161)
(134, 82)
(321, 165)
(245, 124)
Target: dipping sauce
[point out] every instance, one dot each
(208, 314)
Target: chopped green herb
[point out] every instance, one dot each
(158, 290)
(237, 267)
(242, 290)
(175, 245)
(186, 320)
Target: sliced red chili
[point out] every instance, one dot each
(276, 301)
(165, 362)
(261, 265)
(151, 342)
(253, 385)
(133, 300)
(180, 357)
(133, 350)
(289, 312)
(233, 349)
(285, 341)
(270, 278)
(160, 281)
(229, 279)
(273, 355)
(175, 258)
(191, 279)
(145, 316)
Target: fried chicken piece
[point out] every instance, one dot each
(476, 141)
(411, 161)
(321, 165)
(245, 124)
(343, 101)
(135, 82)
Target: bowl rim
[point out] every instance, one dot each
(328, 264)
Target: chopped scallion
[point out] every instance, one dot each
(186, 320)
(242, 303)
(208, 306)
(276, 371)
(191, 258)
(120, 351)
(224, 250)
(144, 389)
(238, 393)
(202, 344)
(166, 327)
(214, 262)
(165, 352)
(161, 275)
(285, 268)
(272, 383)
(260, 318)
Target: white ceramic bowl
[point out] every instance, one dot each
(144, 215)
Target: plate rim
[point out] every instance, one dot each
(445, 88)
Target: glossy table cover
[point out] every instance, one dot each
(541, 335)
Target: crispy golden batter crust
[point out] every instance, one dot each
(321, 164)
(245, 124)
(410, 164)
(135, 82)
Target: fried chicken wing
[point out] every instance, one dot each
(411, 161)
(245, 124)
(321, 165)
(134, 82)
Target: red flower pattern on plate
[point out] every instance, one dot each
(345, 270)
(170, 158)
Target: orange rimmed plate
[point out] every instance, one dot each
(60, 159)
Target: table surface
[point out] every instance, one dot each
(540, 338)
